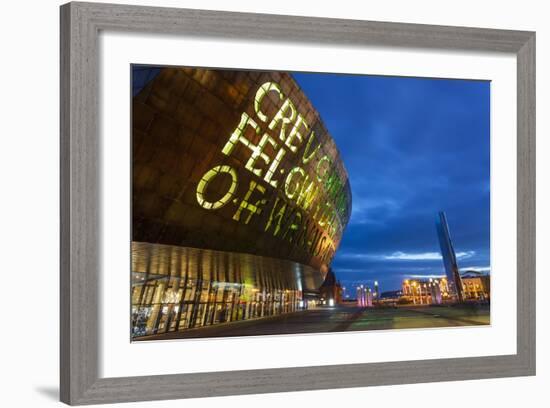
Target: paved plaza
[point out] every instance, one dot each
(343, 318)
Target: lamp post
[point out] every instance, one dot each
(360, 298)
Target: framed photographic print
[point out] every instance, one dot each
(259, 203)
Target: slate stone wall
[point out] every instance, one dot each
(181, 122)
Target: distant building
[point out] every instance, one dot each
(476, 287)
(331, 289)
(391, 295)
(426, 291)
(390, 298)
(454, 284)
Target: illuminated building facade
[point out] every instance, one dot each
(476, 286)
(454, 283)
(427, 291)
(239, 198)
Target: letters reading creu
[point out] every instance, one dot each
(312, 189)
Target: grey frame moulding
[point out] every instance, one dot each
(80, 234)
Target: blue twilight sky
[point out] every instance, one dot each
(412, 147)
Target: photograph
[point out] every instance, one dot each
(273, 202)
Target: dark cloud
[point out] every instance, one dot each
(412, 147)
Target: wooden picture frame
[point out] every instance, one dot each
(80, 234)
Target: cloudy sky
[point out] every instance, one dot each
(412, 147)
